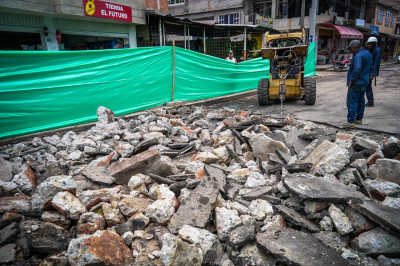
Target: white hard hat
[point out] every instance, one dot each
(372, 39)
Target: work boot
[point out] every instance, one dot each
(358, 122)
(347, 125)
(369, 104)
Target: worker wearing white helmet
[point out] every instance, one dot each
(376, 62)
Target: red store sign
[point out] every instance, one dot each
(101, 9)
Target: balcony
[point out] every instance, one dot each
(293, 23)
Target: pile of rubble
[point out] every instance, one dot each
(190, 186)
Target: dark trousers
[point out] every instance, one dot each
(370, 94)
(355, 102)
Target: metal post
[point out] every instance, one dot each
(173, 70)
(188, 34)
(313, 18)
(204, 40)
(164, 33)
(396, 44)
(184, 34)
(303, 10)
(160, 31)
(245, 44)
(229, 37)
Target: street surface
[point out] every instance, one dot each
(330, 106)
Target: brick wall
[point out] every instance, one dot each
(153, 4)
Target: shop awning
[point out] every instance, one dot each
(345, 32)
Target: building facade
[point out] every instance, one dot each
(337, 21)
(207, 11)
(384, 15)
(69, 24)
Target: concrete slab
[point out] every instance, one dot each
(293, 140)
(257, 192)
(144, 163)
(197, 209)
(98, 174)
(218, 174)
(314, 188)
(385, 216)
(296, 218)
(294, 247)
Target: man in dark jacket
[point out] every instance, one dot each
(376, 62)
(357, 82)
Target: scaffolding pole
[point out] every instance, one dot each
(164, 33)
(188, 34)
(160, 31)
(173, 70)
(204, 40)
(244, 44)
(184, 34)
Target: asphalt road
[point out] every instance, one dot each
(330, 106)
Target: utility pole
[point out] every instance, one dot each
(313, 18)
(303, 10)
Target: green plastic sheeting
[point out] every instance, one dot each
(309, 66)
(200, 77)
(46, 90)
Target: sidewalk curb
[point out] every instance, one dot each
(87, 126)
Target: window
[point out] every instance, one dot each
(387, 20)
(380, 16)
(173, 2)
(262, 8)
(392, 21)
(229, 19)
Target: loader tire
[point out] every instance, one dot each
(311, 90)
(263, 92)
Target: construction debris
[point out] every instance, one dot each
(186, 185)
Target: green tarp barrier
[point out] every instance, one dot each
(309, 66)
(46, 90)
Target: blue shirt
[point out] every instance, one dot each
(360, 68)
(376, 61)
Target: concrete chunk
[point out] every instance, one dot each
(257, 193)
(177, 252)
(197, 209)
(98, 174)
(328, 158)
(6, 168)
(377, 242)
(144, 163)
(218, 174)
(297, 248)
(320, 188)
(15, 204)
(385, 216)
(340, 220)
(8, 253)
(262, 145)
(388, 169)
(102, 248)
(296, 218)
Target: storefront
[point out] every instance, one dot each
(333, 41)
(111, 26)
(20, 32)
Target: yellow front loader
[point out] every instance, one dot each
(287, 53)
